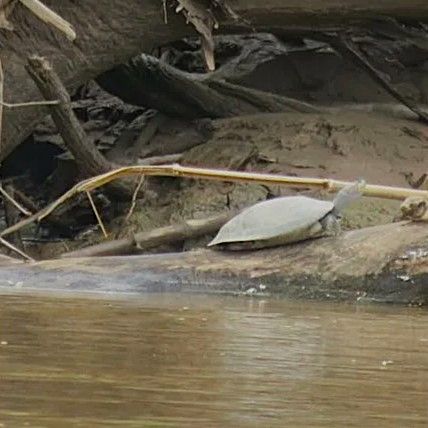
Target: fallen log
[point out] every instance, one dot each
(154, 238)
(109, 32)
(145, 81)
(380, 264)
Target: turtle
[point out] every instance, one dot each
(285, 220)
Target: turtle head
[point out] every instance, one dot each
(348, 195)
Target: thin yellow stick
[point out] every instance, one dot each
(175, 170)
(97, 215)
(386, 192)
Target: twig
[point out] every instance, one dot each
(377, 191)
(97, 215)
(50, 17)
(14, 202)
(16, 250)
(26, 201)
(134, 199)
(12, 214)
(30, 104)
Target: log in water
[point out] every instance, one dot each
(384, 264)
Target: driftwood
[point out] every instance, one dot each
(384, 263)
(148, 82)
(145, 240)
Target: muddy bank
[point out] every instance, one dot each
(380, 264)
(344, 145)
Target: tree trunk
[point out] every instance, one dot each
(109, 32)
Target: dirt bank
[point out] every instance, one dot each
(343, 145)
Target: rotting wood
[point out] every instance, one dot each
(382, 264)
(154, 238)
(148, 82)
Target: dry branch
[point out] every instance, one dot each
(88, 158)
(12, 201)
(86, 154)
(50, 17)
(154, 238)
(12, 211)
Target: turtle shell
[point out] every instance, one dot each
(276, 221)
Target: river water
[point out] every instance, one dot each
(187, 360)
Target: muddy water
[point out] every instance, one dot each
(169, 360)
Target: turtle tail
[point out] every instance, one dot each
(348, 195)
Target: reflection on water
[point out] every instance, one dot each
(170, 360)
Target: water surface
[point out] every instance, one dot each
(174, 360)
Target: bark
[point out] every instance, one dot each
(109, 32)
(154, 238)
(88, 158)
(382, 264)
(148, 82)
